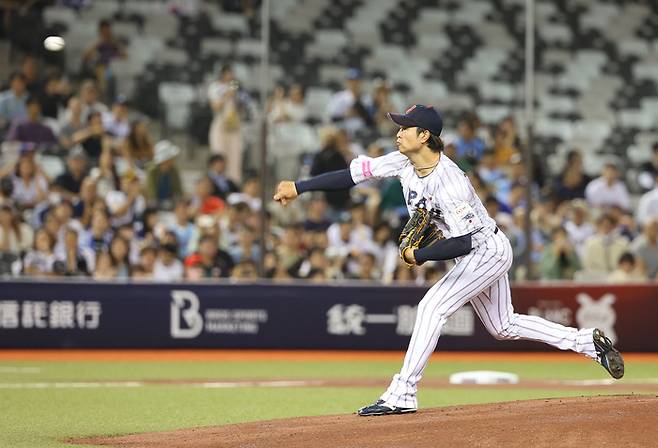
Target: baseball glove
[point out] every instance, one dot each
(418, 232)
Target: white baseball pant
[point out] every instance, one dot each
(481, 278)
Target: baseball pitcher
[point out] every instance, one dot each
(448, 221)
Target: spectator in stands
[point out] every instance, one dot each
(167, 267)
(54, 97)
(115, 121)
(247, 247)
(648, 176)
(572, 181)
(40, 260)
(230, 105)
(237, 215)
(382, 104)
(183, 227)
(334, 155)
(250, 193)
(209, 261)
(296, 105)
(645, 247)
(315, 260)
(163, 183)
(16, 237)
(276, 105)
(349, 108)
(72, 260)
(94, 139)
(367, 268)
(105, 268)
(137, 147)
(577, 226)
(106, 175)
(288, 251)
(602, 250)
(491, 173)
(30, 186)
(245, 270)
(287, 109)
(316, 215)
(126, 204)
(89, 100)
(385, 250)
(146, 266)
(71, 123)
(506, 144)
(608, 190)
(120, 251)
(339, 235)
(203, 201)
(222, 185)
(559, 259)
(70, 181)
(628, 270)
(100, 54)
(30, 69)
(647, 207)
(404, 275)
(13, 101)
(469, 146)
(31, 129)
(99, 235)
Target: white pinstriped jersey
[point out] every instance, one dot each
(446, 192)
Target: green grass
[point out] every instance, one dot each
(100, 371)
(45, 417)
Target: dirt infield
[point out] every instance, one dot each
(606, 421)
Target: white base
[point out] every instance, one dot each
(483, 377)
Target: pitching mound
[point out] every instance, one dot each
(608, 421)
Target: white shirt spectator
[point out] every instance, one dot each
(17, 242)
(577, 234)
(599, 194)
(118, 128)
(40, 261)
(287, 111)
(116, 199)
(339, 106)
(647, 208)
(88, 109)
(26, 193)
(167, 273)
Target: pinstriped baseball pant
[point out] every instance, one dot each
(481, 278)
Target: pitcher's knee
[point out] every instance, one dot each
(505, 332)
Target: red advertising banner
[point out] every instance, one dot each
(627, 314)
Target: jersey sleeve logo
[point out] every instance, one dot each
(365, 168)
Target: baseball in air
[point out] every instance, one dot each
(53, 43)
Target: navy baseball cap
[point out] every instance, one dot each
(424, 117)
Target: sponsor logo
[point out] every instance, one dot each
(54, 315)
(187, 321)
(352, 319)
(597, 313)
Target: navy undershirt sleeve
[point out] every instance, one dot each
(333, 180)
(444, 249)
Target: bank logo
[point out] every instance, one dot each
(597, 313)
(186, 321)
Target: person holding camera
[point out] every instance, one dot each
(230, 105)
(559, 259)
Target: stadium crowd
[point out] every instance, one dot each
(118, 209)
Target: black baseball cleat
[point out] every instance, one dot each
(381, 408)
(609, 357)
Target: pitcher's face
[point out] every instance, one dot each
(409, 140)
